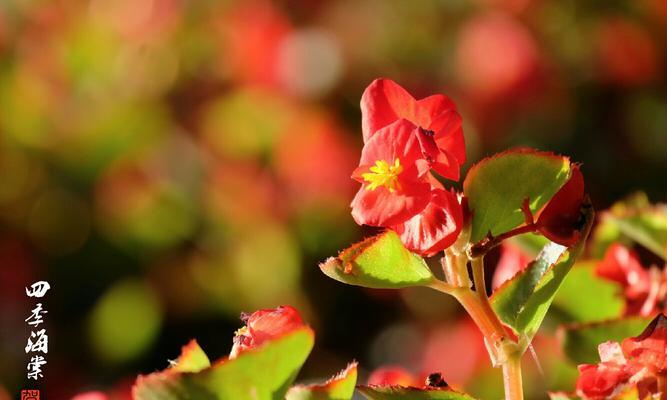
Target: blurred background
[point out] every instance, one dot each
(167, 164)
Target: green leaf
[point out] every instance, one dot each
(378, 262)
(264, 373)
(580, 341)
(192, 359)
(633, 219)
(523, 301)
(340, 387)
(410, 393)
(497, 186)
(648, 229)
(585, 297)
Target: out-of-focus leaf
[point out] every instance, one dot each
(648, 228)
(192, 359)
(523, 301)
(585, 297)
(410, 393)
(125, 321)
(340, 387)
(497, 186)
(378, 262)
(580, 341)
(633, 219)
(264, 373)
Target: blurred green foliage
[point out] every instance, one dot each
(167, 164)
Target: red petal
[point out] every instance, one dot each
(267, 324)
(600, 381)
(442, 162)
(392, 375)
(396, 140)
(264, 325)
(622, 265)
(380, 207)
(449, 134)
(560, 219)
(436, 227)
(649, 349)
(382, 103)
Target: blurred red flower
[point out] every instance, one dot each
(640, 362)
(643, 289)
(392, 375)
(440, 133)
(512, 260)
(264, 325)
(626, 53)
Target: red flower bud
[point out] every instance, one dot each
(560, 221)
(264, 325)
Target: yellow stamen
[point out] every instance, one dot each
(383, 174)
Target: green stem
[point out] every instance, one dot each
(502, 349)
(512, 377)
(478, 278)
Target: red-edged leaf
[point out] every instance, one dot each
(339, 387)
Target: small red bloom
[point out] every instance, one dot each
(560, 219)
(392, 375)
(264, 325)
(641, 287)
(638, 362)
(440, 133)
(394, 177)
(600, 381)
(650, 348)
(436, 227)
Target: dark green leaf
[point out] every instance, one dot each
(580, 341)
(497, 186)
(378, 262)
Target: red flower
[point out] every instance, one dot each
(436, 227)
(638, 362)
(650, 348)
(264, 325)
(440, 135)
(394, 177)
(641, 287)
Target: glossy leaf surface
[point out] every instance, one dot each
(497, 186)
(378, 262)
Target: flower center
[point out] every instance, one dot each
(383, 174)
